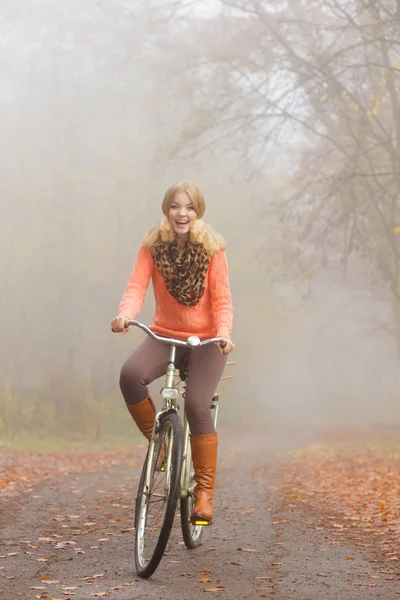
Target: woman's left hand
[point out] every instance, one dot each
(226, 349)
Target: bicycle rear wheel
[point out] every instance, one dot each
(191, 533)
(156, 503)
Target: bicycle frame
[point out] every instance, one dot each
(170, 394)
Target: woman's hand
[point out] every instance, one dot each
(227, 348)
(118, 324)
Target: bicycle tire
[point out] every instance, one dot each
(170, 431)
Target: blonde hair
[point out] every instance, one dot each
(200, 232)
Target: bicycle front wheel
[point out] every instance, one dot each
(157, 500)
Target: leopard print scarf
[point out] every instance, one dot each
(183, 269)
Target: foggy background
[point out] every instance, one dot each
(287, 116)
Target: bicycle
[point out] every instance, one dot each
(167, 474)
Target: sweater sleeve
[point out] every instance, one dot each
(221, 303)
(135, 291)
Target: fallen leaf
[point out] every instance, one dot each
(216, 589)
(204, 580)
(206, 570)
(245, 549)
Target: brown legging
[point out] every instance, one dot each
(205, 367)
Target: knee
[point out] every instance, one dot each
(130, 378)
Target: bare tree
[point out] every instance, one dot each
(312, 88)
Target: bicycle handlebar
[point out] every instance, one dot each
(192, 342)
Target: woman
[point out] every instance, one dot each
(186, 261)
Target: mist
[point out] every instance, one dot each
(103, 106)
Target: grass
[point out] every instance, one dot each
(30, 442)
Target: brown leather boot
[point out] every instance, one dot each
(143, 414)
(204, 456)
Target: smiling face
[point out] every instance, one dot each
(181, 214)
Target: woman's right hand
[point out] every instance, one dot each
(118, 324)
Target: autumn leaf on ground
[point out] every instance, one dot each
(37, 587)
(204, 580)
(21, 469)
(206, 570)
(354, 475)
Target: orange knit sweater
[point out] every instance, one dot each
(211, 317)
